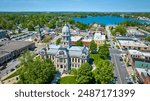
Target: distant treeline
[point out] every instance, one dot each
(15, 20)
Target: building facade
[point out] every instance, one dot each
(12, 49)
(127, 43)
(66, 56)
(134, 56)
(99, 38)
(140, 62)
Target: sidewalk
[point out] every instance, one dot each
(11, 80)
(8, 74)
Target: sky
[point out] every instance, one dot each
(75, 5)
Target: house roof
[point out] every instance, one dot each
(136, 52)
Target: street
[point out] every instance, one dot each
(119, 70)
(10, 65)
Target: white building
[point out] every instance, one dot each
(99, 38)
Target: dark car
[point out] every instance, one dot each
(121, 59)
(12, 69)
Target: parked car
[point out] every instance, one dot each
(121, 59)
(12, 69)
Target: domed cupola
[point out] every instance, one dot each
(65, 29)
(66, 38)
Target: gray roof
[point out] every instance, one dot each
(7, 47)
(13, 45)
(3, 53)
(52, 51)
(74, 51)
(53, 46)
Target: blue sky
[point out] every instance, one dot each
(76, 5)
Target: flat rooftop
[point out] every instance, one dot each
(126, 38)
(99, 36)
(9, 46)
(76, 38)
(13, 45)
(134, 32)
(87, 40)
(3, 53)
(136, 52)
(132, 43)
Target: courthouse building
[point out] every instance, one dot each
(65, 56)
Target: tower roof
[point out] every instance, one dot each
(65, 29)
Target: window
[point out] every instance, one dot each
(139, 48)
(75, 59)
(78, 60)
(61, 66)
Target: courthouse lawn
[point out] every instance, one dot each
(68, 80)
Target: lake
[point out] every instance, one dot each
(108, 20)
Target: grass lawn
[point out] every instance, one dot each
(68, 80)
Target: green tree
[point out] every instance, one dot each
(73, 71)
(51, 25)
(93, 46)
(30, 27)
(58, 41)
(68, 80)
(104, 51)
(130, 23)
(37, 71)
(79, 43)
(120, 30)
(47, 39)
(85, 74)
(82, 26)
(103, 73)
(26, 57)
(147, 38)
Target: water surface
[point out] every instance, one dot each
(108, 20)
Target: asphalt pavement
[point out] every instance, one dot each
(119, 69)
(10, 65)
